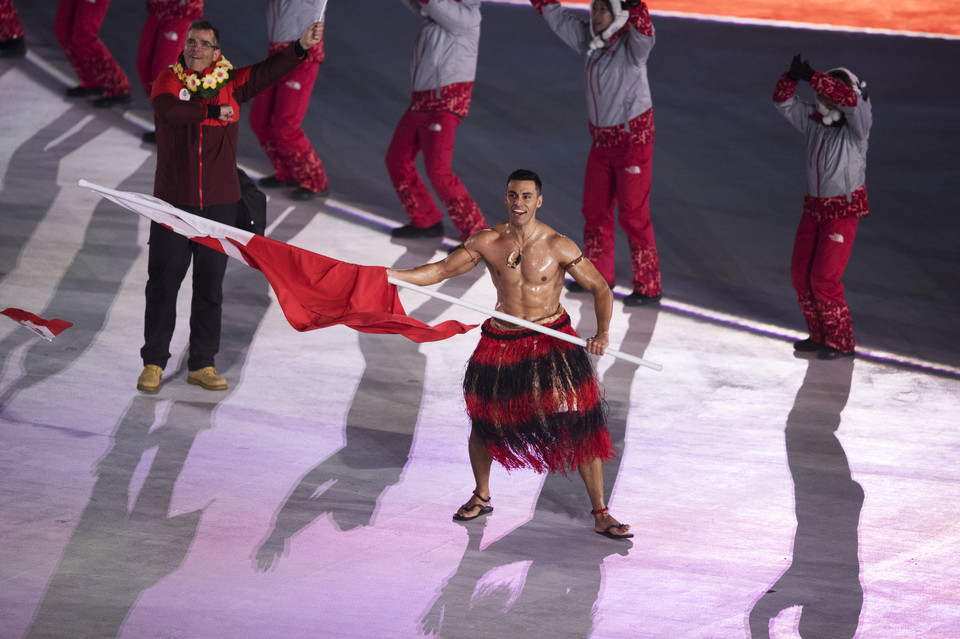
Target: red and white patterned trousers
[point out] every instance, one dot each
(620, 176)
(161, 42)
(820, 254)
(433, 133)
(276, 116)
(10, 26)
(76, 27)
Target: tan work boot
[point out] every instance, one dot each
(207, 378)
(149, 380)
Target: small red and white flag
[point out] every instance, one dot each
(47, 329)
(314, 291)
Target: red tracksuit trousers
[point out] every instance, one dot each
(432, 133)
(161, 41)
(76, 27)
(820, 254)
(276, 116)
(620, 176)
(10, 26)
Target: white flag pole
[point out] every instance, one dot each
(579, 341)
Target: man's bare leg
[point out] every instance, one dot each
(592, 474)
(480, 462)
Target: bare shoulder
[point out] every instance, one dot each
(483, 239)
(493, 232)
(562, 247)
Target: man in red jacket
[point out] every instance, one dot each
(196, 105)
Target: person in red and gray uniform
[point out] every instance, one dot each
(161, 40)
(277, 113)
(836, 128)
(12, 43)
(615, 44)
(442, 74)
(196, 106)
(76, 27)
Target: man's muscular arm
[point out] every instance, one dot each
(457, 263)
(586, 275)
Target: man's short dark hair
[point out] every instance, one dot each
(203, 25)
(524, 175)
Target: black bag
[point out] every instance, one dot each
(252, 208)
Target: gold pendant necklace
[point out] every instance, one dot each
(513, 260)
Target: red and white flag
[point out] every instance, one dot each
(314, 291)
(47, 329)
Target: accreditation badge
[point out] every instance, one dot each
(184, 94)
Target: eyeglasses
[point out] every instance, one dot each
(203, 44)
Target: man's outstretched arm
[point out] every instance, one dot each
(457, 263)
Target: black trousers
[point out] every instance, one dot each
(168, 260)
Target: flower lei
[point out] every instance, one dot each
(209, 85)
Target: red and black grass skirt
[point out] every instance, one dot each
(534, 400)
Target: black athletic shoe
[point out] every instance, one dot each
(111, 100)
(302, 194)
(150, 137)
(410, 231)
(273, 183)
(828, 352)
(807, 346)
(639, 299)
(83, 92)
(15, 48)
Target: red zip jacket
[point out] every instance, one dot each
(196, 155)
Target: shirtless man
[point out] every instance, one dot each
(534, 401)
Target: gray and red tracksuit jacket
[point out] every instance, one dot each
(286, 21)
(619, 106)
(836, 156)
(444, 64)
